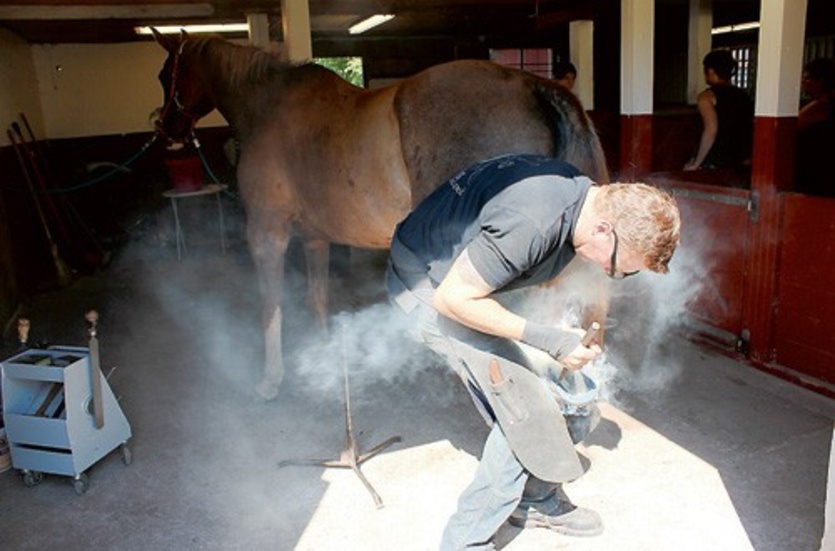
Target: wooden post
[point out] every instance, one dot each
(637, 37)
(295, 22)
(779, 68)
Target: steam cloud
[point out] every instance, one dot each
(376, 344)
(644, 313)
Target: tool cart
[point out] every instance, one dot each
(60, 414)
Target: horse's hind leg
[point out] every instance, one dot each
(268, 246)
(317, 255)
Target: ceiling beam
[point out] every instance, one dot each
(19, 12)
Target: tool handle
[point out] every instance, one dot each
(591, 333)
(23, 326)
(587, 339)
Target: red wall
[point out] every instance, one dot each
(804, 336)
(801, 314)
(715, 223)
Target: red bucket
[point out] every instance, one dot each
(185, 173)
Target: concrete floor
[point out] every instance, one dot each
(718, 457)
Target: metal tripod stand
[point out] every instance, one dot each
(350, 457)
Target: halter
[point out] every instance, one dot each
(174, 98)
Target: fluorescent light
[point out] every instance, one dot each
(736, 28)
(369, 23)
(747, 26)
(208, 28)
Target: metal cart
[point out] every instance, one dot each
(60, 414)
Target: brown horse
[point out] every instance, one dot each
(340, 164)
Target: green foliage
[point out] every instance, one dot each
(349, 68)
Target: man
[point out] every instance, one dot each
(503, 224)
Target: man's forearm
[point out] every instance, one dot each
(464, 296)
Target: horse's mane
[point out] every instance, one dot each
(241, 64)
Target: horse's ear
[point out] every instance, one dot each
(166, 42)
(183, 35)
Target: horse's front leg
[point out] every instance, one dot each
(317, 255)
(268, 244)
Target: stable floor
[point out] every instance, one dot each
(714, 455)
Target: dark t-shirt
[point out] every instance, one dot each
(735, 116)
(514, 214)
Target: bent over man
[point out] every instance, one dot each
(502, 224)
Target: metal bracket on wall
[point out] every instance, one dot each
(754, 206)
(732, 200)
(749, 203)
(742, 342)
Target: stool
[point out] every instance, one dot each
(210, 189)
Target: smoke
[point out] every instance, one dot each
(377, 345)
(649, 313)
(373, 345)
(644, 315)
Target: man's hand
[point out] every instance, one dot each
(580, 356)
(564, 345)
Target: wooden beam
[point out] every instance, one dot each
(126, 11)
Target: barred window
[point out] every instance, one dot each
(746, 72)
(534, 60)
(820, 46)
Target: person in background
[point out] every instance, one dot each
(727, 117)
(816, 129)
(565, 73)
(504, 224)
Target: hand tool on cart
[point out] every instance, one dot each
(23, 327)
(92, 318)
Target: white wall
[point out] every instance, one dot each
(75, 90)
(17, 84)
(100, 89)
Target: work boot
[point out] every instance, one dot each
(566, 519)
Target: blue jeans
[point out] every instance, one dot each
(500, 482)
(499, 485)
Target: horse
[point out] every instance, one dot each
(334, 163)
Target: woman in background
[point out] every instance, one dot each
(727, 117)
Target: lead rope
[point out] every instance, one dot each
(208, 168)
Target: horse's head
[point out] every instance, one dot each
(185, 98)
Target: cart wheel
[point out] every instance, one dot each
(81, 483)
(32, 478)
(127, 454)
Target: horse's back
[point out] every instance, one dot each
(458, 113)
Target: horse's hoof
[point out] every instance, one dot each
(266, 390)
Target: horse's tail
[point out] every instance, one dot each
(575, 139)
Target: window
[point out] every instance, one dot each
(535, 60)
(746, 70)
(820, 46)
